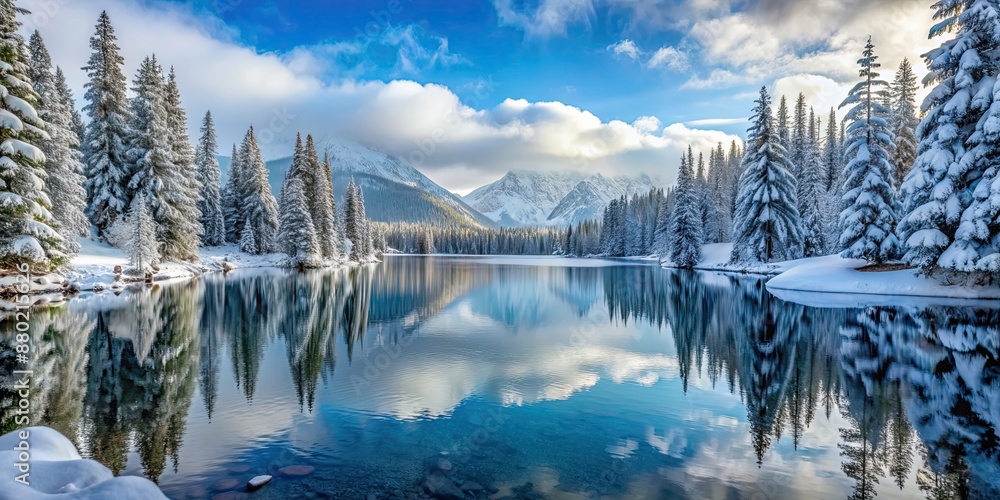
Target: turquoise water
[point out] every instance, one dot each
(534, 378)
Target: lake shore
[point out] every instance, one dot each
(834, 281)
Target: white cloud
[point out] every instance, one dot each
(549, 18)
(669, 57)
(716, 122)
(625, 48)
(460, 145)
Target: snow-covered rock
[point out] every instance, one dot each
(523, 198)
(52, 468)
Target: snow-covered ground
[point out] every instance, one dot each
(54, 469)
(833, 275)
(834, 281)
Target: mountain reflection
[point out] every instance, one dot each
(911, 395)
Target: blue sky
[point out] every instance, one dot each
(468, 90)
(577, 68)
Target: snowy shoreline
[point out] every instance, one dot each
(93, 270)
(833, 281)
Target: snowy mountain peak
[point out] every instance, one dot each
(522, 197)
(589, 197)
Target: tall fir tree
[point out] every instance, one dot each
(232, 196)
(184, 229)
(209, 182)
(331, 237)
(150, 152)
(296, 234)
(870, 213)
(903, 121)
(258, 206)
(353, 222)
(63, 165)
(322, 207)
(784, 129)
(106, 140)
(951, 157)
(811, 194)
(140, 240)
(766, 227)
(686, 225)
(27, 236)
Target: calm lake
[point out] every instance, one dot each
(532, 378)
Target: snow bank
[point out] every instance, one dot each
(835, 275)
(53, 469)
(93, 268)
(715, 257)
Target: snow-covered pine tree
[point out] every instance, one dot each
(248, 240)
(320, 196)
(183, 230)
(798, 141)
(297, 236)
(26, 233)
(811, 194)
(686, 225)
(353, 224)
(209, 181)
(150, 151)
(331, 240)
(140, 238)
(903, 121)
(258, 205)
(940, 187)
(870, 212)
(832, 154)
(734, 165)
(784, 130)
(232, 196)
(766, 227)
(63, 164)
(364, 226)
(107, 134)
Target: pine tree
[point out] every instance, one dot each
(297, 236)
(353, 223)
(140, 240)
(870, 215)
(811, 194)
(903, 122)
(106, 143)
(258, 205)
(686, 225)
(26, 233)
(209, 178)
(331, 240)
(951, 157)
(767, 227)
(183, 230)
(248, 240)
(784, 131)
(320, 196)
(364, 227)
(232, 196)
(63, 164)
(150, 151)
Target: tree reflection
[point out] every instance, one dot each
(917, 388)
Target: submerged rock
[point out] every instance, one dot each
(258, 482)
(439, 486)
(225, 484)
(297, 470)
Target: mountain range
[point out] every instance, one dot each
(523, 198)
(396, 191)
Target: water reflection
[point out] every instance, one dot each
(893, 401)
